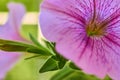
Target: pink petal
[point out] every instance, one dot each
(57, 17)
(79, 50)
(112, 48)
(64, 22)
(10, 31)
(7, 61)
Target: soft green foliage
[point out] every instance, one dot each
(29, 29)
(70, 74)
(31, 5)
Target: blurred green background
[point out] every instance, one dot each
(31, 5)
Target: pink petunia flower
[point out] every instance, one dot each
(10, 31)
(86, 32)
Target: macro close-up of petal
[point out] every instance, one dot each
(11, 31)
(87, 32)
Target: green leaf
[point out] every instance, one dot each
(61, 61)
(12, 46)
(53, 63)
(32, 57)
(15, 48)
(38, 51)
(7, 45)
(78, 75)
(107, 78)
(62, 74)
(70, 74)
(34, 40)
(8, 42)
(49, 45)
(50, 65)
(43, 49)
(73, 66)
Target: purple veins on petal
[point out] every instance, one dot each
(86, 32)
(11, 31)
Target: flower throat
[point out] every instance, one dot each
(95, 29)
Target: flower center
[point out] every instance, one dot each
(95, 29)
